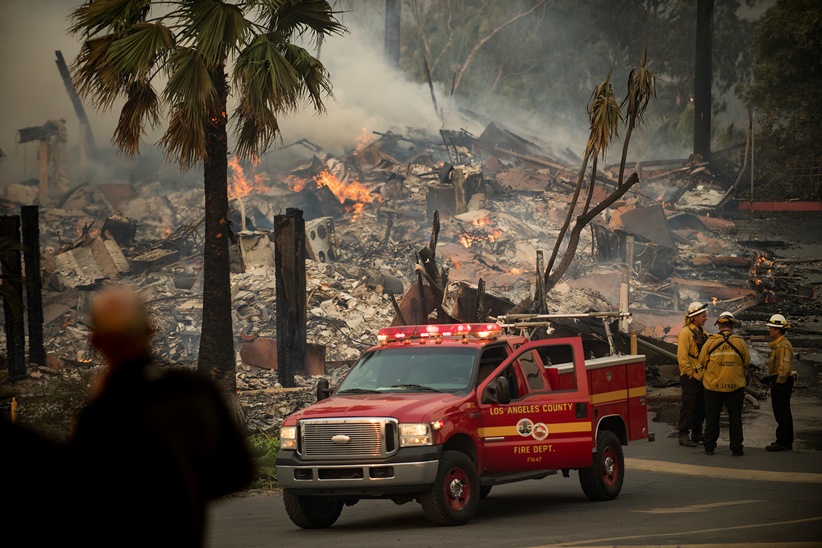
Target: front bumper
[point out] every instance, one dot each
(411, 470)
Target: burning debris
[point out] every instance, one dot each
(405, 229)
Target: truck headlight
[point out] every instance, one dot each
(413, 435)
(288, 437)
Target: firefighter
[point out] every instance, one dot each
(723, 358)
(692, 402)
(781, 379)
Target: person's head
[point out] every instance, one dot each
(697, 314)
(726, 321)
(777, 325)
(119, 327)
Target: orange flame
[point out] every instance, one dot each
(714, 301)
(352, 190)
(239, 185)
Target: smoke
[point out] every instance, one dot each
(368, 93)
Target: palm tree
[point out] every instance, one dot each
(605, 115)
(194, 45)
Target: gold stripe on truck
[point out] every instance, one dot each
(558, 428)
(617, 395)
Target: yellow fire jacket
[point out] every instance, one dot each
(724, 362)
(780, 362)
(688, 343)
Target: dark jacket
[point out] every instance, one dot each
(150, 453)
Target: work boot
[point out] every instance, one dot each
(686, 441)
(778, 447)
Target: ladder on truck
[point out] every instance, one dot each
(531, 322)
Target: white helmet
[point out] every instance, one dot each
(696, 308)
(725, 317)
(778, 320)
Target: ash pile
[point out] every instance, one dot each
(410, 227)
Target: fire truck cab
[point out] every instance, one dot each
(442, 413)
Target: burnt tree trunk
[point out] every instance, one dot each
(703, 78)
(289, 268)
(554, 276)
(217, 357)
(34, 284)
(393, 13)
(13, 297)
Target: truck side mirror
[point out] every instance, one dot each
(323, 390)
(497, 391)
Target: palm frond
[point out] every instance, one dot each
(265, 78)
(316, 80)
(189, 81)
(112, 16)
(94, 76)
(213, 27)
(142, 106)
(605, 115)
(136, 52)
(287, 17)
(255, 133)
(641, 88)
(184, 140)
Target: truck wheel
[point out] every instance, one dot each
(603, 480)
(312, 512)
(454, 498)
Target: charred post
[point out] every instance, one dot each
(13, 296)
(289, 264)
(30, 216)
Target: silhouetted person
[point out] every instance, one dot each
(32, 475)
(154, 445)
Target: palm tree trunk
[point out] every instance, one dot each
(217, 357)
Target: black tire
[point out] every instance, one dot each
(454, 498)
(603, 480)
(312, 512)
(485, 490)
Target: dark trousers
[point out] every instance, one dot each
(692, 406)
(713, 407)
(781, 401)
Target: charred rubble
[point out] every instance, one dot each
(407, 228)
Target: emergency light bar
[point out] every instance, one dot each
(439, 331)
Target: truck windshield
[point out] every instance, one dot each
(417, 369)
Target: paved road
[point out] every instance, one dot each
(672, 496)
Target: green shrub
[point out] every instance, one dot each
(264, 450)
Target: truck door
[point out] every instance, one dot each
(543, 427)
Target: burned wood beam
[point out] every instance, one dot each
(539, 291)
(397, 310)
(420, 271)
(532, 159)
(719, 260)
(289, 259)
(10, 263)
(30, 217)
(481, 313)
(75, 101)
(422, 292)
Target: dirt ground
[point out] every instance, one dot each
(801, 233)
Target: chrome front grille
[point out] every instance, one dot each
(348, 438)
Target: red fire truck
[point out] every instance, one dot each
(442, 413)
